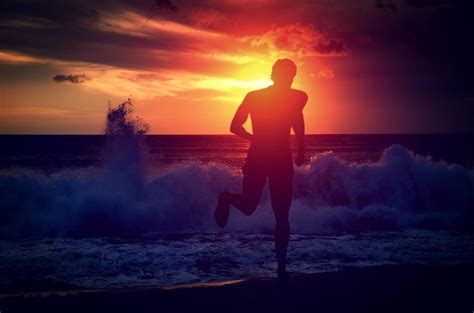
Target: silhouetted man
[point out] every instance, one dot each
(273, 111)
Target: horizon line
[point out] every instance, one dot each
(230, 134)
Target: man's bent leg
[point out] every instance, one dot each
(252, 186)
(244, 204)
(247, 202)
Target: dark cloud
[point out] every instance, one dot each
(332, 46)
(443, 40)
(428, 3)
(166, 4)
(71, 78)
(431, 37)
(80, 31)
(381, 4)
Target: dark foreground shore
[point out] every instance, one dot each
(375, 289)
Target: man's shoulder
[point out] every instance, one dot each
(300, 98)
(255, 96)
(300, 94)
(257, 92)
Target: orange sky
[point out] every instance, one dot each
(187, 69)
(199, 97)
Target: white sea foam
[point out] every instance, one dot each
(330, 195)
(164, 260)
(401, 190)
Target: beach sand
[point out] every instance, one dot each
(389, 288)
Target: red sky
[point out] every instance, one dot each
(367, 66)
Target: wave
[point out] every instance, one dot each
(401, 190)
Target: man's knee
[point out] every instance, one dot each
(250, 207)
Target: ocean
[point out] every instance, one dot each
(82, 212)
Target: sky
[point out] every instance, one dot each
(393, 66)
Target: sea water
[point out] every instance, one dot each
(79, 211)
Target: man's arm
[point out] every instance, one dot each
(238, 121)
(298, 128)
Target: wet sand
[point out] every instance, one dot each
(391, 288)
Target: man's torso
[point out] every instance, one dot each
(272, 112)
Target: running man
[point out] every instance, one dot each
(273, 111)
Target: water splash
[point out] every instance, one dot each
(401, 190)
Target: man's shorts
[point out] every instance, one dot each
(279, 171)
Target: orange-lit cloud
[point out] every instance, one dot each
(299, 40)
(326, 74)
(188, 64)
(33, 111)
(12, 58)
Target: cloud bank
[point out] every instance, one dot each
(71, 78)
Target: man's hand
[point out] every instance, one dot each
(239, 119)
(240, 131)
(299, 158)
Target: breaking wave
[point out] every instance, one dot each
(401, 190)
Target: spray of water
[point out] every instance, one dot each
(400, 190)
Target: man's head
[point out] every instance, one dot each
(283, 72)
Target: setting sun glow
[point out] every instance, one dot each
(188, 65)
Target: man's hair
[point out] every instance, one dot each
(283, 69)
